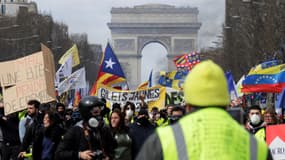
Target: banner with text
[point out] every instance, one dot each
(154, 96)
(174, 96)
(30, 77)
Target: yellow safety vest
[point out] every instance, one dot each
(209, 133)
(161, 122)
(260, 134)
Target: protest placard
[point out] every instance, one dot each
(30, 77)
(275, 139)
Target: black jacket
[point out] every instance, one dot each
(75, 141)
(33, 133)
(139, 133)
(10, 129)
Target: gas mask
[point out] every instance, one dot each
(255, 119)
(95, 122)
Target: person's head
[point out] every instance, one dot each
(50, 119)
(60, 108)
(44, 107)
(116, 106)
(206, 86)
(33, 107)
(154, 114)
(163, 114)
(129, 109)
(169, 108)
(90, 110)
(254, 114)
(142, 117)
(176, 113)
(117, 119)
(270, 116)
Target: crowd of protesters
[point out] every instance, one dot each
(93, 131)
(51, 130)
(38, 133)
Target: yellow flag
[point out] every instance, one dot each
(75, 57)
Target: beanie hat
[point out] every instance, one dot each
(206, 85)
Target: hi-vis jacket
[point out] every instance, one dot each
(208, 133)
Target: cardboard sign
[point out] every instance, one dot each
(154, 96)
(275, 139)
(30, 77)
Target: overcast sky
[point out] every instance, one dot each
(92, 16)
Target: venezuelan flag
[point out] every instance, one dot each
(270, 79)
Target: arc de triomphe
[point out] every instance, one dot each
(133, 28)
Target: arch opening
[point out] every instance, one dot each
(154, 57)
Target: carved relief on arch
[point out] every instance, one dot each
(163, 40)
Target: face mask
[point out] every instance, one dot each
(129, 113)
(255, 119)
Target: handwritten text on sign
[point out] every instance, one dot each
(27, 78)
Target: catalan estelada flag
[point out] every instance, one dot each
(270, 79)
(110, 72)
